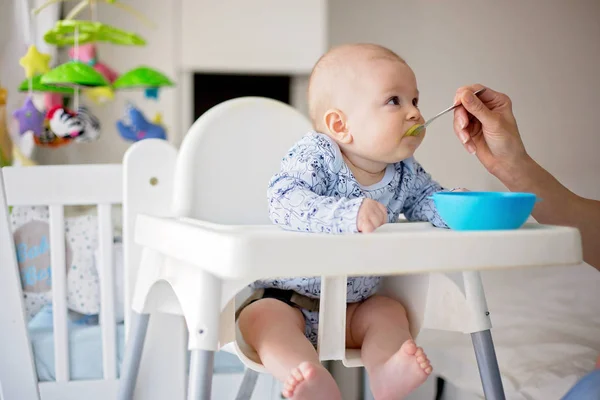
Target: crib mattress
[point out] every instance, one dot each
(85, 345)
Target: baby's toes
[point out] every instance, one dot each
(410, 347)
(286, 393)
(425, 366)
(296, 375)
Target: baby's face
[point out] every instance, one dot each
(383, 107)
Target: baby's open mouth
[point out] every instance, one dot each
(414, 130)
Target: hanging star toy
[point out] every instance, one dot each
(157, 119)
(30, 118)
(100, 95)
(35, 62)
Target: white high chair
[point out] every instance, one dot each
(219, 239)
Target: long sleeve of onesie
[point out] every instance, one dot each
(302, 196)
(418, 206)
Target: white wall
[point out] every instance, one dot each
(544, 54)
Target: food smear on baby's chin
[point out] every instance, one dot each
(412, 141)
(412, 131)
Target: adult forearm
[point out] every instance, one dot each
(559, 206)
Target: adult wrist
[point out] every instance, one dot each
(518, 174)
(526, 175)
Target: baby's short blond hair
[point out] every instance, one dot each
(338, 67)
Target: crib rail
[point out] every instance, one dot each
(59, 292)
(63, 184)
(107, 293)
(57, 187)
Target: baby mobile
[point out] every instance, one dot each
(83, 73)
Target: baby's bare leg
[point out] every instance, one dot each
(276, 331)
(396, 366)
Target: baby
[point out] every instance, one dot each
(353, 173)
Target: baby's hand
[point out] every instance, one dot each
(371, 215)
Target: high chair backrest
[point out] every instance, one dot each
(228, 156)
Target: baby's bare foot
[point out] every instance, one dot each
(310, 381)
(401, 374)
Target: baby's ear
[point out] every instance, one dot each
(336, 126)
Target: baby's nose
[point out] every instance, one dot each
(414, 114)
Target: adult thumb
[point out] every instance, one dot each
(476, 107)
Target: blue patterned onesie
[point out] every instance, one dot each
(315, 191)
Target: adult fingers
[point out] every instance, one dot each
(465, 129)
(461, 121)
(477, 108)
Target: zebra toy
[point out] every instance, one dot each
(80, 126)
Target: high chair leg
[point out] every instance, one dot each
(248, 384)
(201, 373)
(133, 355)
(488, 365)
(482, 337)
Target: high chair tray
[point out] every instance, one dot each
(266, 251)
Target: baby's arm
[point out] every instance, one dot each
(294, 206)
(418, 206)
(298, 198)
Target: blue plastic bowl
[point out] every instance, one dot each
(484, 211)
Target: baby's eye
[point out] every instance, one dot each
(415, 103)
(394, 101)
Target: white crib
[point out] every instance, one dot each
(165, 361)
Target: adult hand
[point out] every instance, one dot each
(486, 126)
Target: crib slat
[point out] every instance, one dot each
(107, 293)
(59, 292)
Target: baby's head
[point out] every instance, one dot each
(365, 97)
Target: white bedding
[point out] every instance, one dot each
(85, 336)
(546, 330)
(85, 346)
